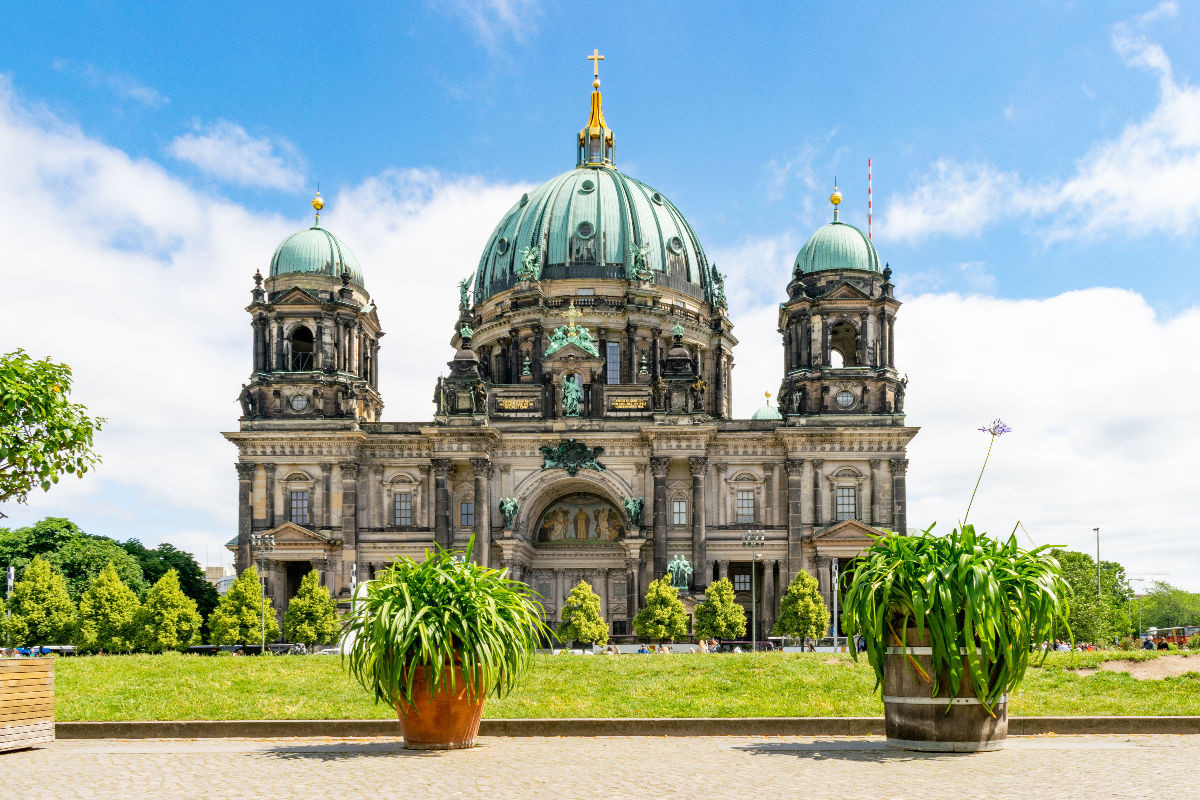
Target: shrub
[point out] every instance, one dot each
(663, 617)
(107, 611)
(311, 615)
(239, 617)
(1193, 643)
(720, 616)
(580, 617)
(802, 613)
(168, 620)
(42, 611)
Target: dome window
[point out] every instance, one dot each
(502, 246)
(675, 244)
(657, 198)
(587, 186)
(844, 398)
(524, 199)
(585, 230)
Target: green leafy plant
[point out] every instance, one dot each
(239, 617)
(168, 620)
(663, 617)
(42, 611)
(580, 618)
(441, 613)
(990, 599)
(106, 614)
(311, 615)
(802, 612)
(720, 616)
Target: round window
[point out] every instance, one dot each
(502, 246)
(524, 200)
(587, 186)
(675, 244)
(585, 229)
(299, 402)
(656, 197)
(844, 398)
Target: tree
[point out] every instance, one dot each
(3, 622)
(1165, 606)
(43, 538)
(663, 616)
(720, 616)
(311, 615)
(107, 611)
(580, 620)
(42, 434)
(166, 557)
(82, 558)
(802, 612)
(239, 616)
(1094, 618)
(42, 611)
(168, 620)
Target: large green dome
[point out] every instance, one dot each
(592, 222)
(837, 246)
(315, 251)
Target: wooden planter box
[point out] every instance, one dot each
(26, 702)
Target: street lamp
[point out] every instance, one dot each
(1097, 530)
(753, 540)
(263, 543)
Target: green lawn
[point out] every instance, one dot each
(169, 687)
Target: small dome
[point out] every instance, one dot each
(837, 246)
(767, 412)
(315, 251)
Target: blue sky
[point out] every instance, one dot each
(1036, 177)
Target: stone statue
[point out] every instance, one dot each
(464, 288)
(571, 395)
(531, 264)
(508, 507)
(718, 280)
(680, 571)
(658, 393)
(466, 333)
(352, 402)
(640, 268)
(479, 395)
(900, 394)
(558, 340)
(451, 395)
(585, 338)
(249, 402)
(798, 400)
(633, 507)
(697, 392)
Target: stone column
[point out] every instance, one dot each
(891, 337)
(245, 473)
(326, 494)
(815, 336)
(654, 359)
(818, 516)
(279, 362)
(633, 568)
(483, 509)
(875, 492)
(378, 512)
(795, 513)
(722, 569)
(721, 494)
(514, 355)
(769, 608)
(269, 471)
(441, 512)
(349, 472)
(659, 465)
(899, 505)
(821, 565)
(538, 350)
(699, 469)
(425, 511)
(861, 341)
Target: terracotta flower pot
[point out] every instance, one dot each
(447, 721)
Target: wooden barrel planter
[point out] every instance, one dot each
(447, 721)
(915, 721)
(26, 702)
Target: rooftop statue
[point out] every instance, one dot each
(531, 264)
(639, 269)
(633, 507)
(464, 298)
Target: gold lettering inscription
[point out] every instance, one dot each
(629, 404)
(515, 404)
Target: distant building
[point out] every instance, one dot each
(584, 431)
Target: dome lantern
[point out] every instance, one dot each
(595, 141)
(316, 251)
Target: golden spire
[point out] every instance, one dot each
(596, 139)
(836, 199)
(572, 313)
(318, 204)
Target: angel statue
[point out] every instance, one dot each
(531, 264)
(508, 507)
(464, 289)
(633, 507)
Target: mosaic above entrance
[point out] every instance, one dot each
(580, 519)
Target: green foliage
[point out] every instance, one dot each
(42, 434)
(720, 616)
(991, 598)
(43, 538)
(166, 557)
(580, 619)
(663, 616)
(311, 615)
(443, 611)
(3, 623)
(42, 611)
(239, 617)
(802, 612)
(1096, 619)
(82, 558)
(1193, 643)
(106, 614)
(168, 620)
(1164, 606)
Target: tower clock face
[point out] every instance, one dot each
(299, 402)
(844, 398)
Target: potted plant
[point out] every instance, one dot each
(433, 639)
(949, 624)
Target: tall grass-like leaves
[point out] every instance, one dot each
(984, 601)
(442, 613)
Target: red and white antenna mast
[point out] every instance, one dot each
(869, 200)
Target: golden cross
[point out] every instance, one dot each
(595, 58)
(572, 313)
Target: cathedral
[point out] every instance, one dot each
(584, 430)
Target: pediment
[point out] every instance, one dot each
(571, 353)
(298, 297)
(292, 533)
(845, 291)
(849, 530)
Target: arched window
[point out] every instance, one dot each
(302, 349)
(843, 342)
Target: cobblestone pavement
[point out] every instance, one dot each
(577, 767)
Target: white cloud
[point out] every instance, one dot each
(120, 84)
(224, 150)
(1144, 180)
(492, 21)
